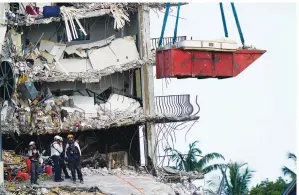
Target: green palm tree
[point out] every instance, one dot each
(286, 170)
(190, 162)
(236, 179)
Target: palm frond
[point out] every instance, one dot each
(193, 144)
(177, 157)
(289, 172)
(292, 156)
(237, 179)
(207, 158)
(210, 168)
(246, 178)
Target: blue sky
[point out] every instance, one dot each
(250, 118)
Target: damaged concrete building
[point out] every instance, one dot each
(86, 69)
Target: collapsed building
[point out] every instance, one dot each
(86, 69)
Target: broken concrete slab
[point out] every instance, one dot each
(54, 48)
(119, 185)
(119, 52)
(86, 104)
(74, 65)
(97, 44)
(49, 57)
(92, 76)
(119, 103)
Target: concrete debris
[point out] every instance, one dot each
(97, 59)
(169, 174)
(90, 76)
(185, 188)
(77, 49)
(9, 157)
(71, 14)
(72, 113)
(25, 189)
(104, 172)
(182, 186)
(119, 52)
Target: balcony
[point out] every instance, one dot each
(175, 106)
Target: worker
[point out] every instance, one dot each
(34, 157)
(71, 137)
(56, 150)
(62, 162)
(73, 154)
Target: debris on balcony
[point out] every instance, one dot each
(89, 62)
(72, 14)
(75, 113)
(80, 113)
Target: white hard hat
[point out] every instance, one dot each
(31, 143)
(57, 137)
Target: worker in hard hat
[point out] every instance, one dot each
(56, 150)
(62, 161)
(34, 159)
(73, 154)
(76, 142)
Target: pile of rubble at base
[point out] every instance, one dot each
(25, 189)
(177, 180)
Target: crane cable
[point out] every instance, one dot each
(238, 24)
(176, 24)
(236, 20)
(165, 21)
(223, 21)
(164, 24)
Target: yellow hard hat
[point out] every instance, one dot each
(70, 136)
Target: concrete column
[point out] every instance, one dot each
(147, 77)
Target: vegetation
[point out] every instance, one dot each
(237, 178)
(269, 187)
(193, 160)
(288, 172)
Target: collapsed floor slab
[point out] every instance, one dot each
(119, 185)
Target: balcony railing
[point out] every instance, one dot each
(165, 41)
(175, 105)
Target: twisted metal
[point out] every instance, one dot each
(174, 105)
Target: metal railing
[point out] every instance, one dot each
(174, 105)
(165, 41)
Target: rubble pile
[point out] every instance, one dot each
(184, 188)
(76, 10)
(25, 189)
(48, 62)
(119, 11)
(118, 171)
(9, 157)
(177, 180)
(66, 114)
(38, 111)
